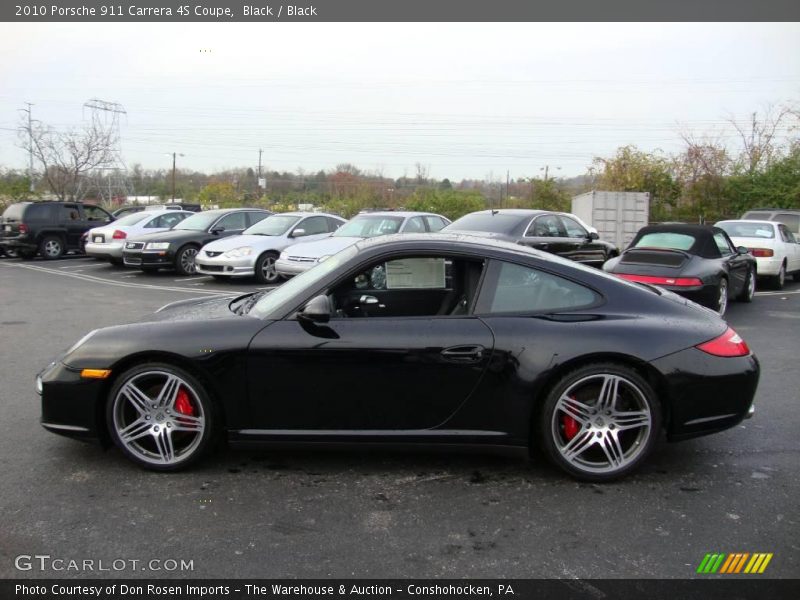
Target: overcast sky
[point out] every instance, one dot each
(464, 100)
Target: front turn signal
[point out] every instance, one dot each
(95, 373)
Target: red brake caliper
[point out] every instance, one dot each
(571, 426)
(183, 404)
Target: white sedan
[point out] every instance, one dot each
(106, 242)
(254, 252)
(776, 250)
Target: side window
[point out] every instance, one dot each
(511, 288)
(545, 226)
(254, 217)
(169, 220)
(314, 225)
(573, 228)
(786, 234)
(414, 225)
(791, 221)
(413, 286)
(232, 222)
(37, 212)
(722, 243)
(334, 224)
(69, 212)
(435, 223)
(95, 213)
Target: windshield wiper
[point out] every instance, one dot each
(249, 303)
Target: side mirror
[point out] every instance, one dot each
(318, 310)
(298, 233)
(593, 235)
(741, 250)
(217, 230)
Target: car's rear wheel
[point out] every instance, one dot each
(26, 254)
(160, 417)
(51, 247)
(780, 279)
(599, 422)
(722, 296)
(749, 289)
(12, 253)
(184, 260)
(265, 268)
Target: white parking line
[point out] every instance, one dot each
(192, 278)
(777, 293)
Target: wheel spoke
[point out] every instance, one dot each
(169, 392)
(608, 393)
(138, 399)
(632, 419)
(612, 449)
(578, 444)
(188, 423)
(164, 445)
(575, 409)
(139, 428)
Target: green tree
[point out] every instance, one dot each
(450, 203)
(219, 194)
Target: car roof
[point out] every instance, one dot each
(521, 212)
(306, 213)
(450, 238)
(222, 211)
(396, 213)
(756, 221)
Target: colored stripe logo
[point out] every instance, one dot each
(738, 562)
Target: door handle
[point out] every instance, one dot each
(463, 354)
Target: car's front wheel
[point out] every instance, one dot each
(749, 289)
(722, 297)
(265, 268)
(780, 279)
(184, 260)
(160, 417)
(51, 247)
(599, 422)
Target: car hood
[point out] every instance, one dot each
(171, 235)
(193, 309)
(330, 245)
(258, 242)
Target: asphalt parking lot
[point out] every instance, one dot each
(269, 514)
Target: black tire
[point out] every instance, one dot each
(265, 268)
(749, 289)
(184, 260)
(26, 254)
(12, 253)
(778, 280)
(188, 423)
(220, 278)
(115, 261)
(721, 305)
(51, 247)
(796, 276)
(606, 428)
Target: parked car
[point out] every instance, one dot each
(479, 343)
(107, 242)
(776, 250)
(301, 257)
(134, 208)
(255, 251)
(788, 216)
(178, 247)
(49, 228)
(558, 233)
(698, 262)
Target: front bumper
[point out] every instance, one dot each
(290, 268)
(232, 267)
(148, 258)
(107, 250)
(71, 405)
(706, 394)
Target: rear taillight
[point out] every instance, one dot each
(728, 344)
(23, 228)
(676, 281)
(762, 252)
(119, 235)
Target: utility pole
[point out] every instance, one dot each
(507, 175)
(173, 176)
(260, 152)
(30, 145)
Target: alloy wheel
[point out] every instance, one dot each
(268, 272)
(722, 300)
(601, 423)
(52, 248)
(158, 418)
(187, 260)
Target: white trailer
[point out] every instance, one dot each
(617, 216)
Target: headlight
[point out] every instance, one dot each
(323, 258)
(284, 255)
(156, 246)
(238, 252)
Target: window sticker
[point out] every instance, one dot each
(415, 273)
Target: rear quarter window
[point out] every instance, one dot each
(37, 212)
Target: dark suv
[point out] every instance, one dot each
(49, 228)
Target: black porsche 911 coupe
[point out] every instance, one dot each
(426, 340)
(698, 262)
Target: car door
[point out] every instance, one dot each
(738, 264)
(587, 250)
(74, 223)
(313, 228)
(546, 232)
(792, 248)
(403, 355)
(230, 224)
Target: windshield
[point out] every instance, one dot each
(485, 222)
(274, 225)
(369, 226)
(133, 218)
(198, 222)
(670, 241)
(748, 230)
(298, 285)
